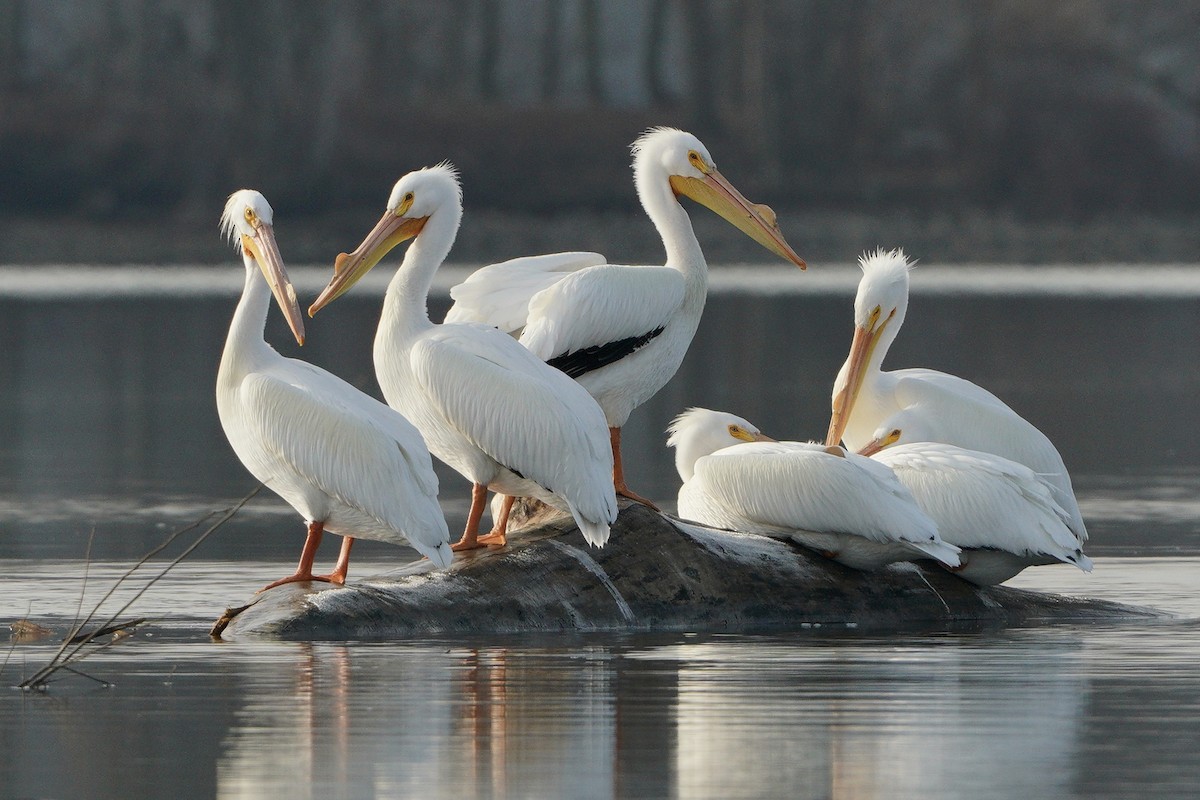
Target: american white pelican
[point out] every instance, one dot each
(345, 461)
(933, 406)
(845, 506)
(485, 405)
(622, 331)
(999, 512)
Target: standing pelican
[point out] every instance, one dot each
(345, 461)
(1002, 514)
(840, 504)
(622, 331)
(935, 407)
(485, 405)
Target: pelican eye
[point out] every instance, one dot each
(405, 204)
(738, 432)
(250, 216)
(698, 161)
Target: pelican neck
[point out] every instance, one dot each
(246, 342)
(674, 227)
(405, 304)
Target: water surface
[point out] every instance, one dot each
(110, 436)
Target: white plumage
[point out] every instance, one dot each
(846, 506)
(346, 462)
(622, 331)
(923, 404)
(999, 512)
(485, 405)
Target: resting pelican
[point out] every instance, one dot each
(485, 405)
(934, 406)
(843, 505)
(999, 512)
(622, 331)
(345, 461)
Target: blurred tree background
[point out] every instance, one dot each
(983, 128)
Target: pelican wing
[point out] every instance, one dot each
(527, 416)
(347, 444)
(499, 294)
(983, 500)
(794, 485)
(975, 419)
(913, 387)
(606, 309)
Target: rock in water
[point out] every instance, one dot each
(655, 574)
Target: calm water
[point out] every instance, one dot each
(110, 431)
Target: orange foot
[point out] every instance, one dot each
(494, 539)
(625, 491)
(467, 542)
(301, 577)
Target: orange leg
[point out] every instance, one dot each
(470, 537)
(342, 567)
(304, 570)
(614, 435)
(498, 537)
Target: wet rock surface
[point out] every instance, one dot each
(655, 574)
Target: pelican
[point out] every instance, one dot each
(845, 506)
(1002, 515)
(622, 331)
(345, 461)
(933, 406)
(486, 406)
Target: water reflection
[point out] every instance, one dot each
(859, 719)
(438, 722)
(1039, 712)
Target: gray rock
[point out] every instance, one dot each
(655, 574)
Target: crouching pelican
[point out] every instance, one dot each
(843, 505)
(345, 461)
(486, 406)
(1002, 515)
(622, 331)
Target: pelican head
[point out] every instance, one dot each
(414, 199)
(699, 432)
(884, 437)
(685, 163)
(879, 309)
(247, 223)
(903, 427)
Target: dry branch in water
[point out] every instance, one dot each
(67, 656)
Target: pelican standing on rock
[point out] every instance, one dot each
(924, 404)
(1002, 515)
(622, 331)
(345, 461)
(485, 405)
(845, 506)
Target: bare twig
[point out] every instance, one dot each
(107, 629)
(87, 565)
(62, 659)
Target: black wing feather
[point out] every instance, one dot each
(581, 362)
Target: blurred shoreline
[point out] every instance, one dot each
(968, 236)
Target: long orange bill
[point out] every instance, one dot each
(265, 251)
(753, 219)
(391, 230)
